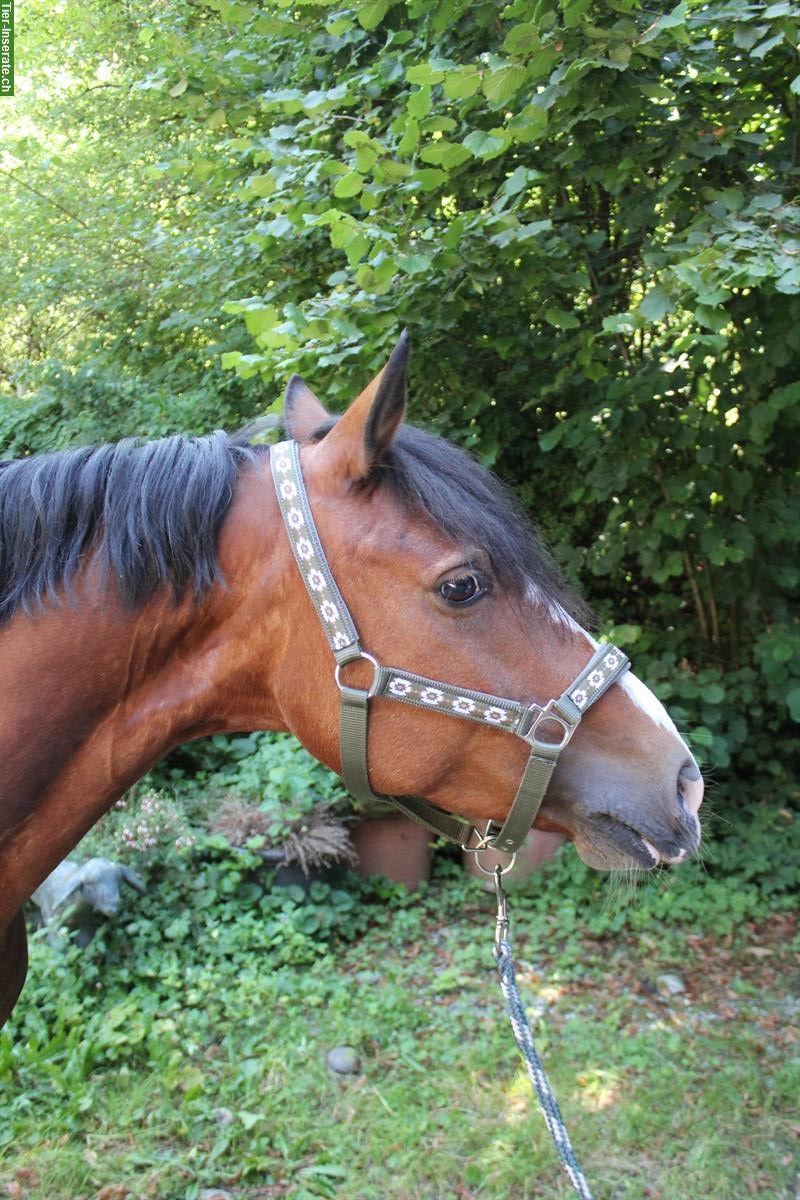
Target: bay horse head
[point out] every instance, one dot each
(445, 578)
(150, 594)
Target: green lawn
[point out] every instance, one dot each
(200, 1061)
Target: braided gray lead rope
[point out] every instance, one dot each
(524, 1038)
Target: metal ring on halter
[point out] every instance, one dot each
(493, 871)
(372, 690)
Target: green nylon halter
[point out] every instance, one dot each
(526, 721)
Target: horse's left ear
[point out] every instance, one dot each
(360, 439)
(302, 411)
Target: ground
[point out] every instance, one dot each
(674, 1056)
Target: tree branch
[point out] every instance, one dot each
(42, 196)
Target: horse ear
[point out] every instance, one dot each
(302, 411)
(360, 439)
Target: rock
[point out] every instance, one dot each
(215, 1194)
(672, 984)
(223, 1116)
(344, 1061)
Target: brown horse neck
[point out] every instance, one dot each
(93, 696)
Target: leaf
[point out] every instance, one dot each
(763, 48)
(180, 87)
(349, 185)
(258, 320)
(574, 11)
(561, 319)
(459, 85)
(620, 54)
(260, 185)
(365, 159)
(485, 145)
(619, 323)
(419, 102)
(656, 305)
(522, 39)
(410, 139)
(444, 154)
(528, 125)
(746, 36)
(789, 282)
(550, 439)
(390, 170)
(793, 703)
(430, 178)
(794, 86)
(516, 181)
(500, 85)
(669, 21)
(414, 264)
(424, 73)
(249, 1119)
(371, 13)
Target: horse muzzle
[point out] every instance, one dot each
(613, 829)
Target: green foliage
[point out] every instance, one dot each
(585, 212)
(185, 1047)
(271, 771)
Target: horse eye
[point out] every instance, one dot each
(462, 589)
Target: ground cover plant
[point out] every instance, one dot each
(186, 1047)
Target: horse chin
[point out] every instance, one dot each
(610, 845)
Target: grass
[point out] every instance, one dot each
(165, 1060)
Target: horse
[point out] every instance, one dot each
(148, 597)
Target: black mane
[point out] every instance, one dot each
(153, 511)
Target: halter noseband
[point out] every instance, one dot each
(561, 716)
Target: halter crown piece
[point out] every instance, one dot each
(559, 717)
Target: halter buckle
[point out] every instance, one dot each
(372, 690)
(540, 715)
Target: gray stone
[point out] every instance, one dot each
(344, 1061)
(215, 1194)
(672, 984)
(223, 1116)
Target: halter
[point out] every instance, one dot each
(558, 718)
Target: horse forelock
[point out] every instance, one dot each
(439, 483)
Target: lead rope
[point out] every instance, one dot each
(548, 1104)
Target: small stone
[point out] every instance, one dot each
(344, 1061)
(214, 1194)
(673, 984)
(223, 1116)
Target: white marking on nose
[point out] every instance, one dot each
(644, 699)
(637, 691)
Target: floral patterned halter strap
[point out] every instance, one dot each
(546, 728)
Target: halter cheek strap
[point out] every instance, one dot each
(545, 728)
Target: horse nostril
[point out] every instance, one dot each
(690, 787)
